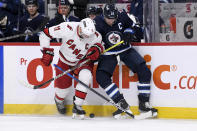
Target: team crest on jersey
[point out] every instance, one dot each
(113, 37)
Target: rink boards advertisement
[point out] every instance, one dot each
(173, 85)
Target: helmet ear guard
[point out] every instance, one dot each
(87, 27)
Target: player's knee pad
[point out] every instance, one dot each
(103, 78)
(85, 76)
(144, 74)
(60, 94)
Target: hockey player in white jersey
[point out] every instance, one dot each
(79, 40)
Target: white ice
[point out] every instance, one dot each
(66, 123)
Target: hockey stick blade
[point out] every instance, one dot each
(146, 115)
(26, 84)
(94, 91)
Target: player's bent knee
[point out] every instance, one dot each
(103, 78)
(85, 76)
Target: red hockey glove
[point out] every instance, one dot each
(47, 57)
(94, 51)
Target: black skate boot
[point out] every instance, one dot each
(144, 107)
(118, 113)
(78, 111)
(60, 107)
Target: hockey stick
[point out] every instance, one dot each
(52, 79)
(40, 28)
(137, 117)
(65, 72)
(91, 89)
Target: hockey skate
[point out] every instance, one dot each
(60, 107)
(146, 110)
(118, 113)
(78, 112)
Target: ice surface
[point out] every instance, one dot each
(66, 123)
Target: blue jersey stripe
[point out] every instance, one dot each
(1, 80)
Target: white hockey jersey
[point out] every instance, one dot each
(73, 48)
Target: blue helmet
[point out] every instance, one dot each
(110, 11)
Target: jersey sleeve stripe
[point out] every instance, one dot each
(46, 31)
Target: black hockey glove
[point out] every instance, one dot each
(128, 35)
(139, 33)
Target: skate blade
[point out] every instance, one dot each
(146, 115)
(118, 116)
(123, 115)
(78, 117)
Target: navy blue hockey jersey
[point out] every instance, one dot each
(113, 34)
(28, 25)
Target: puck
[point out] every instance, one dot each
(91, 115)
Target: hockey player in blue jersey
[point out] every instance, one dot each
(31, 22)
(114, 27)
